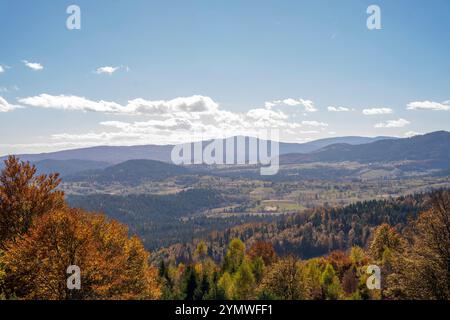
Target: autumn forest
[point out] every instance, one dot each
(321, 253)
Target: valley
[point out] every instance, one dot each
(166, 204)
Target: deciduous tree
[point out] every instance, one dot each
(24, 196)
(112, 265)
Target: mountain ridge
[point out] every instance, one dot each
(434, 146)
(118, 154)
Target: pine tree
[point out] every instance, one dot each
(190, 284)
(244, 282)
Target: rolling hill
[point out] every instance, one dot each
(432, 148)
(68, 167)
(130, 172)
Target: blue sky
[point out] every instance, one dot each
(159, 72)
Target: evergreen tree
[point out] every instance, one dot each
(330, 283)
(190, 284)
(244, 282)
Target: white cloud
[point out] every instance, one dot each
(428, 105)
(269, 104)
(2, 69)
(166, 124)
(5, 106)
(33, 65)
(393, 124)
(107, 69)
(265, 114)
(411, 134)
(338, 109)
(171, 121)
(196, 103)
(307, 104)
(191, 104)
(315, 124)
(377, 111)
(307, 131)
(70, 103)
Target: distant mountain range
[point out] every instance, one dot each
(130, 172)
(152, 162)
(432, 147)
(118, 154)
(68, 167)
(286, 148)
(108, 154)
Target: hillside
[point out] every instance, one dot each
(110, 154)
(432, 148)
(158, 219)
(68, 167)
(315, 232)
(315, 145)
(130, 172)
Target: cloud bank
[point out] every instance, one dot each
(175, 120)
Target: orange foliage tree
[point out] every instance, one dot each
(23, 196)
(263, 250)
(112, 265)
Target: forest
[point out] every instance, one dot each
(322, 253)
(314, 232)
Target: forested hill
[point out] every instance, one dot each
(155, 218)
(432, 147)
(130, 172)
(315, 232)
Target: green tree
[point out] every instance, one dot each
(226, 286)
(235, 255)
(330, 283)
(258, 268)
(244, 282)
(313, 275)
(190, 284)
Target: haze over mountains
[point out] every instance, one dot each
(117, 154)
(110, 163)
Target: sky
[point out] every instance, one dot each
(158, 72)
